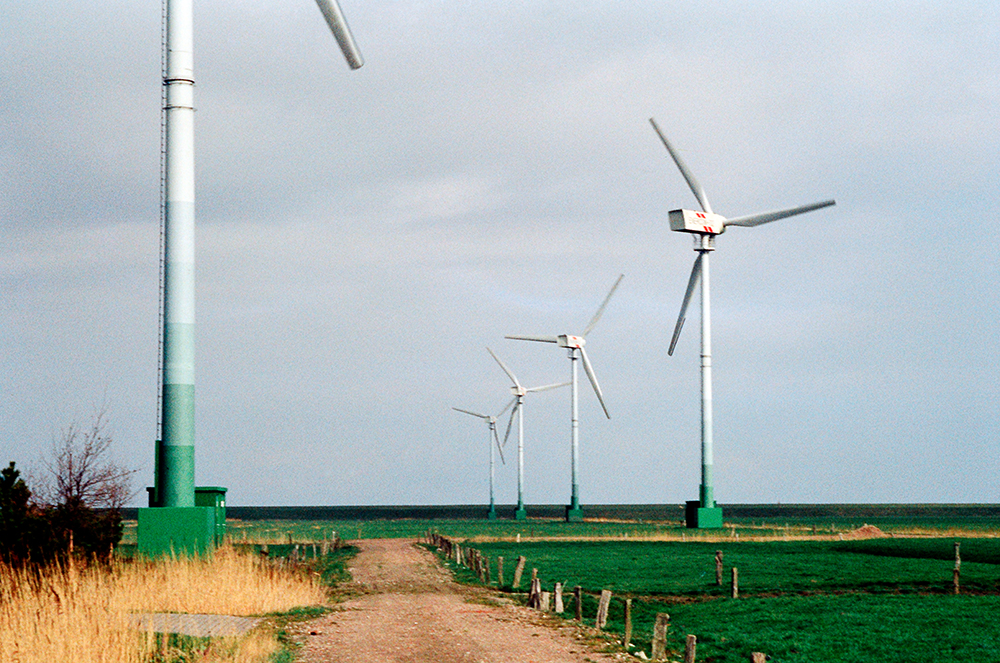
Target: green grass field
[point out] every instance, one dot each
(654, 568)
(882, 600)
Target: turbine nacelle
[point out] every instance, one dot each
(701, 223)
(567, 341)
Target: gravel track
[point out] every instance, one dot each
(405, 607)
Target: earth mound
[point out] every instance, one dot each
(866, 532)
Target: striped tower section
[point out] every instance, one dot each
(175, 465)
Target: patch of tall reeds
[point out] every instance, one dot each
(86, 613)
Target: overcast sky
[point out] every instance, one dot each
(364, 236)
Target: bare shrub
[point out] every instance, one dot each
(84, 491)
(81, 471)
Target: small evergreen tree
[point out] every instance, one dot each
(25, 531)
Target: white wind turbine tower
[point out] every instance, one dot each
(705, 225)
(575, 346)
(493, 437)
(519, 391)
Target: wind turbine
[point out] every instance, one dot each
(174, 455)
(519, 391)
(705, 225)
(575, 346)
(492, 421)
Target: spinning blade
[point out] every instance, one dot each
(692, 282)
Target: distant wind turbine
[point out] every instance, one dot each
(493, 438)
(519, 391)
(705, 225)
(575, 346)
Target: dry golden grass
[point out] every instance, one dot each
(79, 615)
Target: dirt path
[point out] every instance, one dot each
(409, 610)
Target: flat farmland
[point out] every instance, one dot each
(816, 583)
(873, 600)
(687, 569)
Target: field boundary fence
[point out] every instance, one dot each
(536, 597)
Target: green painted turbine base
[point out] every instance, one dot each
(574, 515)
(175, 451)
(698, 517)
(167, 531)
(521, 514)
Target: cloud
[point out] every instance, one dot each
(364, 235)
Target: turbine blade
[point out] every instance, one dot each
(474, 414)
(499, 448)
(506, 370)
(593, 380)
(696, 189)
(341, 32)
(509, 423)
(511, 402)
(548, 386)
(541, 339)
(692, 282)
(767, 217)
(600, 311)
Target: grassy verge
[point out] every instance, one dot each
(330, 570)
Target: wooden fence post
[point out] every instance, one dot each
(660, 636)
(758, 657)
(736, 583)
(718, 568)
(535, 595)
(628, 624)
(500, 571)
(602, 608)
(518, 572)
(689, 649)
(559, 600)
(578, 609)
(545, 601)
(958, 569)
